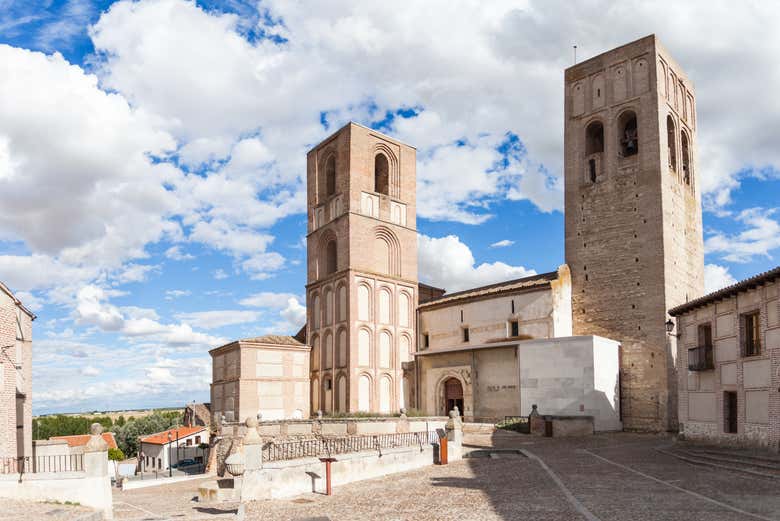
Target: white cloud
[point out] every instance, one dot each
(448, 263)
(759, 238)
(71, 21)
(294, 315)
(84, 156)
(220, 274)
(135, 273)
(172, 294)
(717, 277)
(502, 244)
(29, 300)
(161, 381)
(291, 313)
(175, 253)
(218, 318)
(268, 299)
(90, 370)
(93, 309)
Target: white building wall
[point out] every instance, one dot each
(577, 376)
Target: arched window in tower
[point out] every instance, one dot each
(330, 175)
(594, 136)
(594, 144)
(331, 258)
(315, 353)
(671, 144)
(381, 174)
(629, 134)
(686, 158)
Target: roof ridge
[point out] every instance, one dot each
(550, 275)
(727, 291)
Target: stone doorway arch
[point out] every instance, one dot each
(452, 389)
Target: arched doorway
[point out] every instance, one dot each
(453, 395)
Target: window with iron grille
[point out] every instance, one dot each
(700, 358)
(751, 334)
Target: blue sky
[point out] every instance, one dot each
(152, 159)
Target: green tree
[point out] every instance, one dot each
(61, 425)
(120, 421)
(116, 455)
(127, 435)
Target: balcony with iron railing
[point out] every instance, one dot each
(701, 358)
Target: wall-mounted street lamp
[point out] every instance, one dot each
(670, 329)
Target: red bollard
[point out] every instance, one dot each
(443, 450)
(327, 462)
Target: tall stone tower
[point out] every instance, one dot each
(361, 293)
(633, 214)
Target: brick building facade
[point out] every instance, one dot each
(362, 270)
(15, 376)
(633, 214)
(729, 364)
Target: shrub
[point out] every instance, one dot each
(116, 455)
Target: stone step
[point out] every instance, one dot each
(770, 461)
(726, 463)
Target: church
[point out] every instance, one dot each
(586, 338)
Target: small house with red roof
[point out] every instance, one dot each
(161, 449)
(63, 446)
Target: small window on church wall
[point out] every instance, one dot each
(592, 170)
(686, 158)
(629, 134)
(670, 143)
(465, 334)
(381, 174)
(331, 258)
(330, 175)
(594, 136)
(514, 328)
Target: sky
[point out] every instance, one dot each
(152, 158)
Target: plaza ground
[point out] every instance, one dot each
(607, 477)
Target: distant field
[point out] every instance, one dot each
(137, 413)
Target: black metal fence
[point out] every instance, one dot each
(33, 465)
(328, 447)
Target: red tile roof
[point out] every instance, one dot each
(161, 438)
(79, 440)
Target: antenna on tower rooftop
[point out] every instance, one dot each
(575, 53)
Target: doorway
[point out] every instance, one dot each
(453, 395)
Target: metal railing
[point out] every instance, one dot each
(32, 465)
(700, 358)
(328, 447)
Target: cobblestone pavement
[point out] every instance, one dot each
(174, 501)
(13, 509)
(600, 478)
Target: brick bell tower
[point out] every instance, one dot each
(633, 215)
(361, 293)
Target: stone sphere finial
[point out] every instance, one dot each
(259, 416)
(96, 429)
(455, 413)
(403, 410)
(251, 422)
(319, 415)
